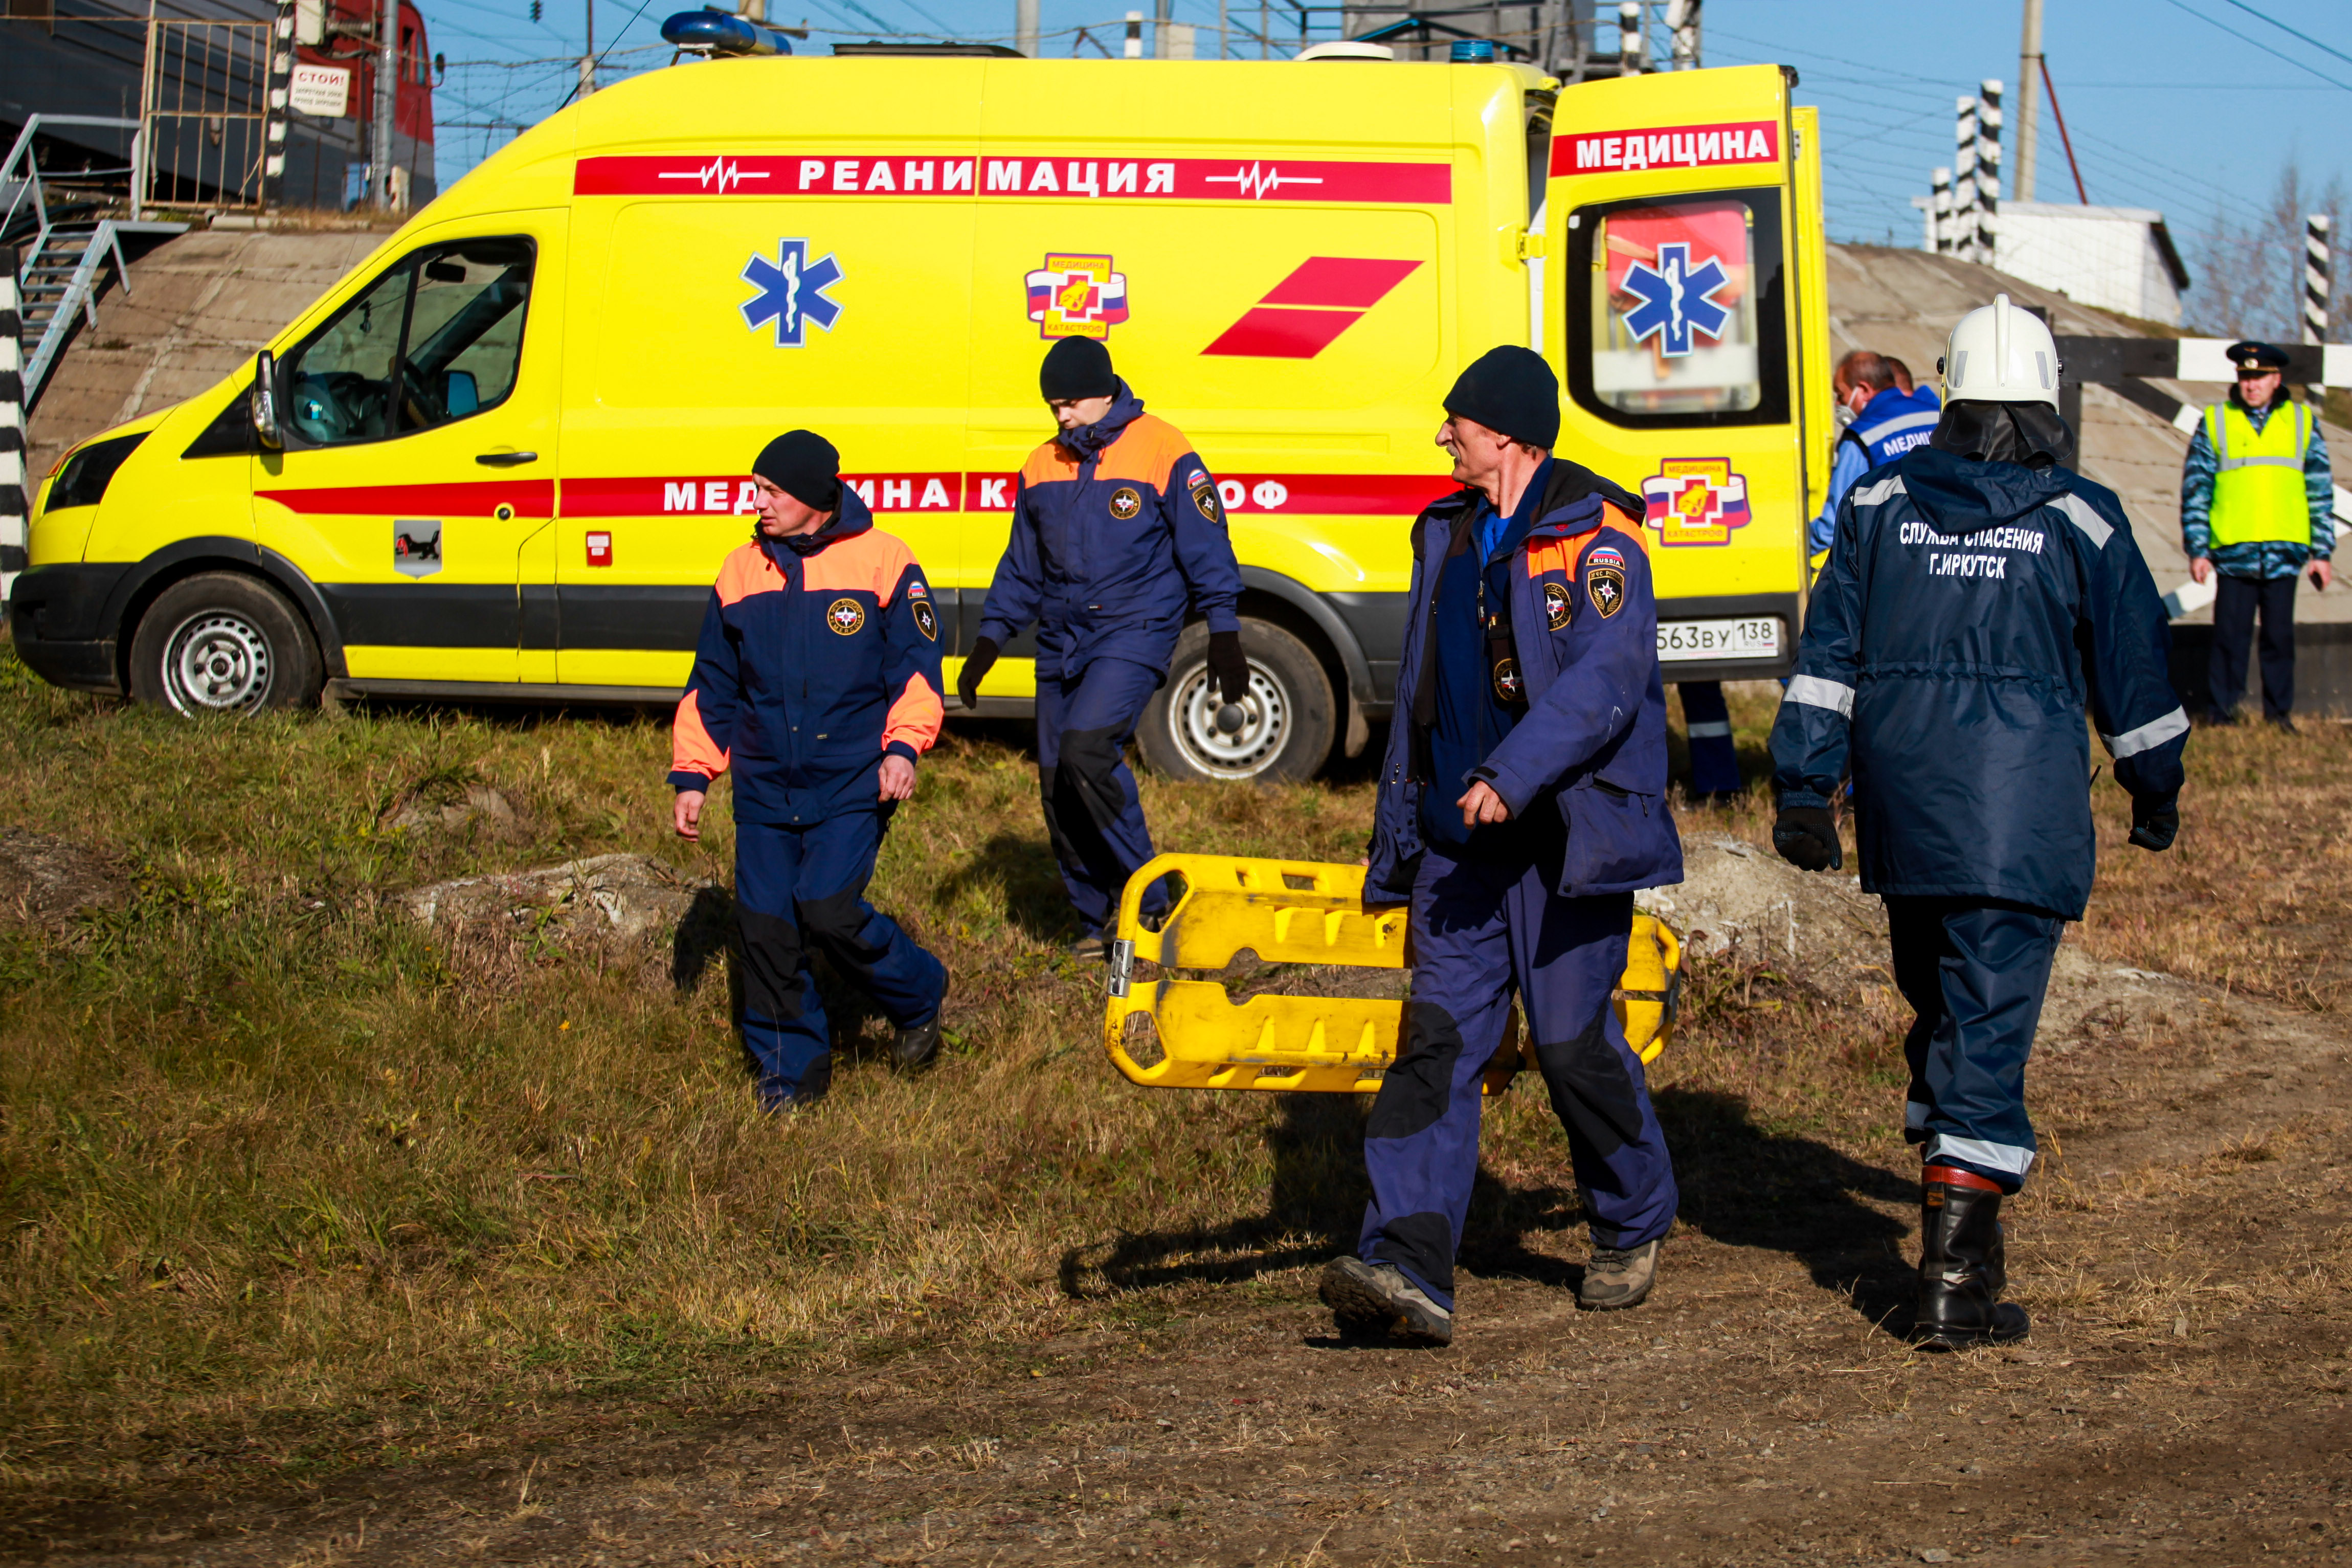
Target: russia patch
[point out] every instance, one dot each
(1604, 555)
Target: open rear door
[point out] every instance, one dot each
(1678, 230)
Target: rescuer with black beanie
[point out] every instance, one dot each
(1118, 535)
(817, 681)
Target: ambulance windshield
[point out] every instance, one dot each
(1681, 320)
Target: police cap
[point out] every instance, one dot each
(2252, 358)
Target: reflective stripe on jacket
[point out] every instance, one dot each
(2257, 488)
(819, 655)
(1116, 533)
(1592, 743)
(1970, 613)
(1894, 422)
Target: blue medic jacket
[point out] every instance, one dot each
(1970, 613)
(1116, 533)
(1591, 745)
(820, 656)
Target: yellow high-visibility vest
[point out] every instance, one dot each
(2258, 495)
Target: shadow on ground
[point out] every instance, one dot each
(1742, 1185)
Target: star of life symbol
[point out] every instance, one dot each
(1077, 297)
(791, 292)
(1676, 300)
(1258, 186)
(720, 174)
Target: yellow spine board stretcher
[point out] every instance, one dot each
(1295, 911)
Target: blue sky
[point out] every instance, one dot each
(2190, 107)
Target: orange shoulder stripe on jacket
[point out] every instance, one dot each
(872, 561)
(1047, 463)
(1148, 450)
(747, 570)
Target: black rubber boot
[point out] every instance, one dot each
(1962, 1269)
(917, 1046)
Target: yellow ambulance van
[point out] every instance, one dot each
(505, 455)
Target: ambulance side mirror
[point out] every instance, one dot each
(265, 403)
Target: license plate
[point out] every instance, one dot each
(1748, 637)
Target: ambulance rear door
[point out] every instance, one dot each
(1673, 315)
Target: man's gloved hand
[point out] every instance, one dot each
(2155, 818)
(975, 667)
(1807, 838)
(1228, 664)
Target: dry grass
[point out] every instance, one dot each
(286, 1181)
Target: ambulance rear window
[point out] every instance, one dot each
(1680, 319)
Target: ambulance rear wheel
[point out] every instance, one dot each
(221, 642)
(1286, 728)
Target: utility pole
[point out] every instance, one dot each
(1681, 21)
(1939, 214)
(1629, 38)
(2317, 263)
(1133, 49)
(1160, 9)
(1988, 168)
(1961, 240)
(588, 60)
(2029, 73)
(1024, 26)
(387, 79)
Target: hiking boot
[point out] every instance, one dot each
(1962, 1265)
(1618, 1276)
(917, 1046)
(1088, 949)
(1364, 1295)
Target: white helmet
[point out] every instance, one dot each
(2001, 354)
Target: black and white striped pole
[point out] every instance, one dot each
(1964, 178)
(1939, 214)
(14, 481)
(2317, 265)
(276, 106)
(1988, 168)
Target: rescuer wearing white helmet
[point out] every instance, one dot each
(1979, 597)
(2257, 504)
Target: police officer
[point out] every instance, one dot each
(2256, 507)
(1117, 534)
(1522, 801)
(1980, 596)
(817, 675)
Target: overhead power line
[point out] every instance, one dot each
(2250, 43)
(2291, 32)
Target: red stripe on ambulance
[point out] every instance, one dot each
(1306, 313)
(733, 495)
(1169, 179)
(1674, 147)
(1296, 495)
(529, 497)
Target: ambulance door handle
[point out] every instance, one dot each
(506, 459)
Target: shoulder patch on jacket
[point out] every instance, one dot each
(1206, 502)
(1605, 586)
(1556, 602)
(927, 620)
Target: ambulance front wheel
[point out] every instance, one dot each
(221, 642)
(1287, 725)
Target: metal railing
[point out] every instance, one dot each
(203, 105)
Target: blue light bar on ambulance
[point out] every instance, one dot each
(717, 33)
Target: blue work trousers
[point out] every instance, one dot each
(1093, 814)
(1706, 724)
(1484, 927)
(801, 891)
(1975, 974)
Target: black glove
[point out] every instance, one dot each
(1806, 837)
(975, 667)
(2155, 819)
(1226, 663)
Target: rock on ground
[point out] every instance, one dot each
(628, 896)
(48, 881)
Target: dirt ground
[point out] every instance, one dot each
(2183, 1248)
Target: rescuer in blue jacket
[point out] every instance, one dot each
(1888, 421)
(1117, 534)
(816, 681)
(1979, 597)
(1522, 802)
